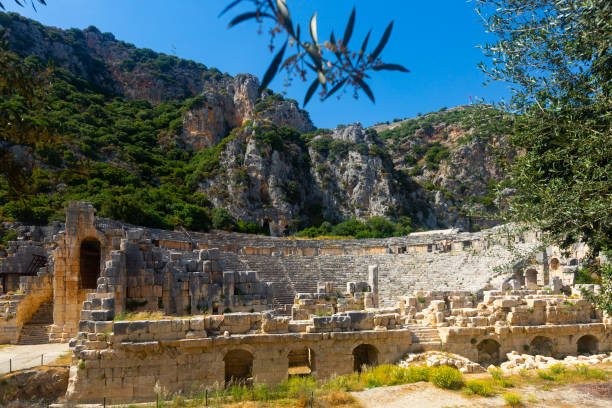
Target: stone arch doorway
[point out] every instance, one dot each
(588, 344)
(301, 361)
(238, 367)
(531, 278)
(488, 352)
(364, 355)
(541, 345)
(89, 263)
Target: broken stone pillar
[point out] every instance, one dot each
(325, 287)
(229, 281)
(373, 282)
(79, 214)
(557, 284)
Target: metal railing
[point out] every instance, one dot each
(205, 398)
(23, 363)
(37, 262)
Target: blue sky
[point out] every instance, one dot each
(436, 40)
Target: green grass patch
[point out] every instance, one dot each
(446, 377)
(512, 399)
(387, 374)
(479, 387)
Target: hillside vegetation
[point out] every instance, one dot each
(158, 141)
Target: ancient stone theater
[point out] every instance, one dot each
(145, 308)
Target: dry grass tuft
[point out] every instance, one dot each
(339, 399)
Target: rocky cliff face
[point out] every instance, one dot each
(276, 177)
(440, 170)
(232, 102)
(355, 179)
(455, 157)
(261, 157)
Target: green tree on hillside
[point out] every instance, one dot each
(22, 90)
(557, 56)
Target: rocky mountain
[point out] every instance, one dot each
(165, 142)
(457, 156)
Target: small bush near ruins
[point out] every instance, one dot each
(446, 377)
(479, 387)
(338, 398)
(380, 376)
(499, 379)
(561, 374)
(295, 392)
(512, 399)
(375, 227)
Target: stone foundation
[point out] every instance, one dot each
(186, 355)
(18, 309)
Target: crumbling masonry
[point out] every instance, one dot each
(231, 307)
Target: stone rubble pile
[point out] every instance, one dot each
(439, 358)
(518, 361)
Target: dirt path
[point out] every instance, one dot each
(22, 357)
(427, 395)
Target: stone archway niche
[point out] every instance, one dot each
(587, 344)
(542, 346)
(364, 355)
(554, 264)
(531, 278)
(89, 263)
(238, 367)
(488, 352)
(301, 361)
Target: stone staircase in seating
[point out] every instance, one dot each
(36, 331)
(425, 336)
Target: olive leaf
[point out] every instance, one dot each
(313, 28)
(272, 69)
(382, 43)
(390, 67)
(348, 32)
(366, 88)
(311, 90)
(247, 16)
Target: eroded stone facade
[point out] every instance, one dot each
(229, 307)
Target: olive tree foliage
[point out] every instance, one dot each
(557, 57)
(603, 301)
(22, 91)
(22, 3)
(334, 65)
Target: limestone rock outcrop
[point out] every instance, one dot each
(231, 103)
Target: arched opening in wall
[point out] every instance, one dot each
(238, 367)
(301, 361)
(89, 263)
(588, 344)
(488, 352)
(554, 264)
(364, 355)
(542, 346)
(531, 278)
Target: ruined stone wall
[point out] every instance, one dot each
(142, 276)
(563, 339)
(139, 355)
(20, 254)
(18, 309)
(422, 261)
(69, 293)
(468, 270)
